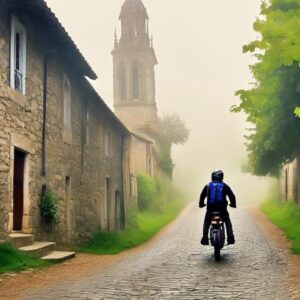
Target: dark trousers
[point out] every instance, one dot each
(226, 218)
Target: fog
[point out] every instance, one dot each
(199, 48)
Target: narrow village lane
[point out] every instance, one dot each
(177, 267)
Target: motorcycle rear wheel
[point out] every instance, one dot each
(217, 247)
(217, 253)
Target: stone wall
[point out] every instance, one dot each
(20, 124)
(138, 116)
(144, 157)
(78, 171)
(289, 182)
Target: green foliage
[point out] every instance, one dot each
(131, 216)
(172, 131)
(14, 260)
(153, 194)
(297, 112)
(166, 162)
(49, 207)
(146, 224)
(270, 104)
(147, 191)
(286, 216)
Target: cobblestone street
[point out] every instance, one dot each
(177, 267)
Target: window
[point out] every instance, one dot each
(18, 56)
(135, 31)
(136, 72)
(107, 199)
(67, 109)
(87, 126)
(107, 144)
(122, 81)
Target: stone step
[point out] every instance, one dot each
(20, 239)
(38, 249)
(59, 256)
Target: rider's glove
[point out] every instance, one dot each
(232, 205)
(202, 205)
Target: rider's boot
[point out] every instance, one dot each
(204, 241)
(231, 240)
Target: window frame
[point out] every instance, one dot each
(87, 128)
(17, 27)
(122, 81)
(67, 109)
(136, 80)
(107, 144)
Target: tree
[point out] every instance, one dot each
(270, 104)
(172, 131)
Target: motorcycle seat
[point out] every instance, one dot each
(216, 213)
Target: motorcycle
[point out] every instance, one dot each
(217, 234)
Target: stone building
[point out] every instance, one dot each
(134, 60)
(289, 182)
(56, 132)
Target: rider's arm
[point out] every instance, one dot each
(203, 196)
(231, 196)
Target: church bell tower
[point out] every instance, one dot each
(134, 60)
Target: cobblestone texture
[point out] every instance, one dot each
(177, 267)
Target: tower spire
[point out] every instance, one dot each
(134, 22)
(134, 63)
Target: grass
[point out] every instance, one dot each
(145, 225)
(14, 260)
(286, 216)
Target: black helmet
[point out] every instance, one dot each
(217, 175)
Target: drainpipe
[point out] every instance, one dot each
(122, 192)
(45, 86)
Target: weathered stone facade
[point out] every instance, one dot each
(289, 182)
(86, 165)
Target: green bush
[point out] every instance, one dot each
(131, 216)
(286, 216)
(147, 224)
(147, 191)
(166, 162)
(13, 260)
(141, 225)
(49, 207)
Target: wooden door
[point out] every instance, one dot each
(107, 196)
(120, 212)
(18, 194)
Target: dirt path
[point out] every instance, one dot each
(279, 240)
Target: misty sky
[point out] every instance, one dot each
(198, 44)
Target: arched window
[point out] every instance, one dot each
(122, 81)
(136, 72)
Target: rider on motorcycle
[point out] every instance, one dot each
(216, 193)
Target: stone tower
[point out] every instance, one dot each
(134, 77)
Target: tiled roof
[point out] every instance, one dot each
(90, 72)
(106, 107)
(39, 11)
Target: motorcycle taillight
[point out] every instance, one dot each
(216, 219)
